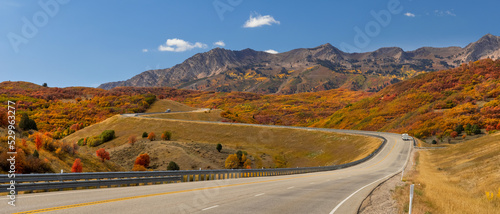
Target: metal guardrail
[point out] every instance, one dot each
(48, 181)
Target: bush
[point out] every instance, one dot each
(151, 136)
(142, 159)
(150, 98)
(107, 135)
(144, 135)
(166, 135)
(35, 154)
(475, 129)
(231, 162)
(454, 134)
(219, 147)
(459, 129)
(138, 167)
(132, 139)
(468, 129)
(94, 141)
(81, 142)
(102, 154)
(434, 142)
(247, 164)
(27, 123)
(172, 166)
(77, 166)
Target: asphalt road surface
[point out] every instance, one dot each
(339, 191)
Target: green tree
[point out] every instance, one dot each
(459, 128)
(434, 142)
(173, 166)
(476, 129)
(27, 123)
(468, 129)
(239, 154)
(144, 135)
(150, 98)
(107, 135)
(44, 84)
(219, 147)
(166, 135)
(35, 154)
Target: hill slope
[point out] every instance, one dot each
(308, 69)
(431, 104)
(465, 171)
(193, 144)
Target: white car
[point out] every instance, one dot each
(405, 136)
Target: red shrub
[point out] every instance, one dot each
(101, 153)
(77, 166)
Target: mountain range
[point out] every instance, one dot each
(308, 69)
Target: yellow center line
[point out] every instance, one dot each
(384, 157)
(174, 192)
(151, 195)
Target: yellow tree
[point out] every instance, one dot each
(247, 164)
(232, 162)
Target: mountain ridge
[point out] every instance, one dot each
(308, 69)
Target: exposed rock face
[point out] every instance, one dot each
(308, 69)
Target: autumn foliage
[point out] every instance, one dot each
(102, 154)
(132, 139)
(77, 166)
(238, 160)
(38, 141)
(151, 136)
(3, 118)
(63, 111)
(138, 167)
(431, 104)
(143, 160)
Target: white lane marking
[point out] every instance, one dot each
(259, 194)
(337, 207)
(210, 207)
(290, 187)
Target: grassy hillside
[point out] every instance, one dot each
(164, 104)
(456, 179)
(209, 115)
(266, 146)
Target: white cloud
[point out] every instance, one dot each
(444, 13)
(409, 14)
(260, 20)
(179, 45)
(220, 43)
(271, 51)
(145, 50)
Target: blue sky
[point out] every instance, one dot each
(86, 43)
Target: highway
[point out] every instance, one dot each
(339, 191)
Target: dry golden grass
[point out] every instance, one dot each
(163, 105)
(299, 147)
(455, 179)
(211, 115)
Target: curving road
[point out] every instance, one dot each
(340, 191)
